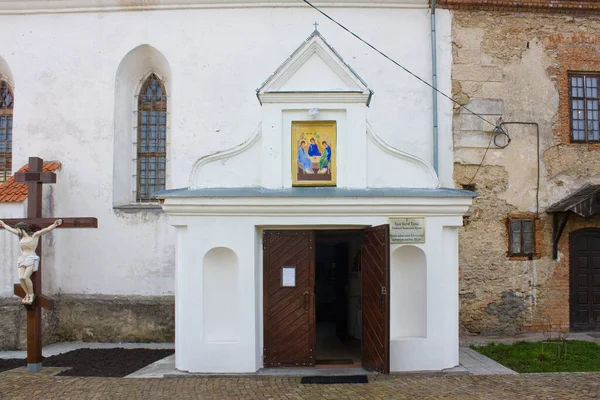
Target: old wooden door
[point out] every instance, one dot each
(585, 279)
(289, 313)
(375, 274)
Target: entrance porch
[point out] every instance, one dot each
(220, 309)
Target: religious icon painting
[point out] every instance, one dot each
(314, 153)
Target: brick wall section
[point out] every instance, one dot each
(517, 65)
(547, 6)
(554, 300)
(576, 52)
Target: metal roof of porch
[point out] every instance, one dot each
(316, 192)
(583, 202)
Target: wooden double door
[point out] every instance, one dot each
(585, 279)
(289, 298)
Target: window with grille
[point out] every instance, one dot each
(521, 237)
(584, 108)
(6, 122)
(151, 139)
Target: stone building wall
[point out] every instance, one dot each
(516, 66)
(554, 6)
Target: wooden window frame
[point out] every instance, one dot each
(7, 111)
(522, 252)
(583, 75)
(141, 155)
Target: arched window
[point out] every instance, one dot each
(6, 122)
(151, 139)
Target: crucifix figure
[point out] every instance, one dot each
(30, 261)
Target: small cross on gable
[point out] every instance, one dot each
(316, 24)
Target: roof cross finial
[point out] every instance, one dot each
(316, 24)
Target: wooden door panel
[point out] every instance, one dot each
(289, 317)
(585, 285)
(278, 295)
(375, 276)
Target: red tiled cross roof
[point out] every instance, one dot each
(12, 192)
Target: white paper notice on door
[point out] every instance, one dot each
(288, 277)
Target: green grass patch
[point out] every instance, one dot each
(527, 357)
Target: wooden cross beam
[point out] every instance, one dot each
(35, 177)
(46, 222)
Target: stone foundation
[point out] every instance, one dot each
(13, 324)
(93, 318)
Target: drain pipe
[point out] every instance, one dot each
(434, 84)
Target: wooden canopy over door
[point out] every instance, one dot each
(375, 266)
(289, 314)
(585, 279)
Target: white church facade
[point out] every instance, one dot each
(280, 185)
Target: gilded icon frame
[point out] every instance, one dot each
(314, 153)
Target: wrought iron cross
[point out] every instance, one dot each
(35, 178)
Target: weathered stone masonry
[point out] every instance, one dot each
(516, 65)
(93, 318)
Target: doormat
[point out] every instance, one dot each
(335, 362)
(332, 380)
(594, 335)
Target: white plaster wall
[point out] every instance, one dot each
(445, 107)
(133, 256)
(439, 348)
(243, 233)
(210, 172)
(129, 253)
(194, 351)
(65, 107)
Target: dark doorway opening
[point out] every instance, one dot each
(332, 285)
(338, 297)
(585, 280)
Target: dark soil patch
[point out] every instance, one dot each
(113, 363)
(11, 363)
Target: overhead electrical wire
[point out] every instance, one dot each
(482, 158)
(496, 126)
(398, 64)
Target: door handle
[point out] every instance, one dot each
(306, 300)
(382, 298)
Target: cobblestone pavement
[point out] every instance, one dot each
(16, 385)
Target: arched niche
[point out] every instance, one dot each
(409, 293)
(220, 296)
(132, 72)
